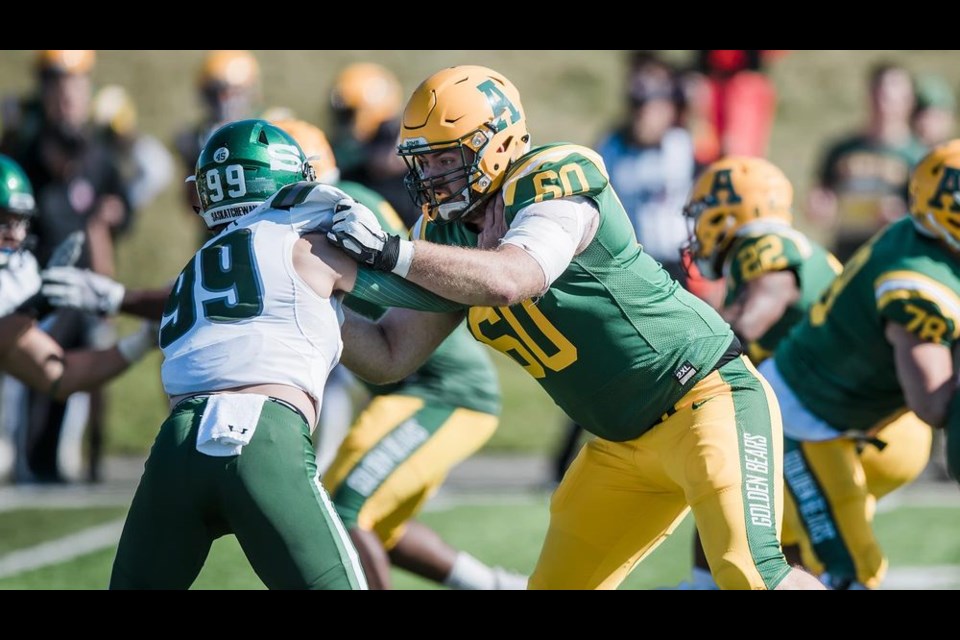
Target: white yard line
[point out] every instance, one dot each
(63, 497)
(61, 549)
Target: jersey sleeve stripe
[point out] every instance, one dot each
(888, 290)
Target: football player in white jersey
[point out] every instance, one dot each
(250, 332)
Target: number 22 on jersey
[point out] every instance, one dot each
(229, 287)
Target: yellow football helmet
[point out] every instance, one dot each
(935, 194)
(229, 68)
(364, 96)
(315, 146)
(471, 109)
(113, 109)
(731, 193)
(53, 61)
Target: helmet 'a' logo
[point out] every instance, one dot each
(949, 186)
(503, 109)
(723, 184)
(284, 157)
(221, 154)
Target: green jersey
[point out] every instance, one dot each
(614, 341)
(767, 247)
(459, 372)
(838, 361)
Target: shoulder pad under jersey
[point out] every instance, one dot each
(556, 171)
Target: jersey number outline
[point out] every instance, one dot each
(226, 267)
(233, 176)
(545, 182)
(526, 351)
(925, 326)
(761, 257)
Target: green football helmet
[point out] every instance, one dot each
(242, 164)
(17, 206)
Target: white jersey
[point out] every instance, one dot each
(19, 280)
(240, 315)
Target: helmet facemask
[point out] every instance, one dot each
(13, 233)
(440, 207)
(707, 238)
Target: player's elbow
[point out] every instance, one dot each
(504, 294)
(932, 412)
(935, 419)
(512, 289)
(381, 375)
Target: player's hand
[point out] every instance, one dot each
(357, 231)
(81, 289)
(136, 345)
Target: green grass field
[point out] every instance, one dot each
(568, 95)
(505, 530)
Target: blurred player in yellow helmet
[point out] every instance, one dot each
(365, 104)
(228, 84)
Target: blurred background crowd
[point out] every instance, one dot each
(108, 137)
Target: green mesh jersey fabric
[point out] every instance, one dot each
(615, 341)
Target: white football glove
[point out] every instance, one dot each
(81, 289)
(137, 344)
(357, 231)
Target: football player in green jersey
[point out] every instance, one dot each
(878, 342)
(740, 209)
(537, 244)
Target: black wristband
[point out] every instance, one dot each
(386, 260)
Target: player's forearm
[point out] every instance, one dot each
(368, 351)
(755, 320)
(926, 375)
(483, 278)
(145, 303)
(87, 369)
(396, 345)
